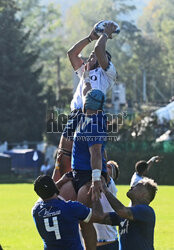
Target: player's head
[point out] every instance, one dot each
(93, 62)
(143, 192)
(141, 167)
(94, 100)
(112, 169)
(45, 187)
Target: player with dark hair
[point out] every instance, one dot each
(57, 220)
(136, 223)
(102, 75)
(141, 169)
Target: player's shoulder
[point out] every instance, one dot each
(146, 208)
(36, 206)
(143, 213)
(74, 207)
(73, 204)
(109, 68)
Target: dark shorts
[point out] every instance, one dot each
(112, 246)
(71, 125)
(81, 177)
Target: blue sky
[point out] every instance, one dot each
(65, 4)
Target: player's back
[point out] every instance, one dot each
(57, 223)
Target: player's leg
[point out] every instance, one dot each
(67, 191)
(62, 160)
(65, 147)
(87, 229)
(66, 141)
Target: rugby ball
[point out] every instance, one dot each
(100, 26)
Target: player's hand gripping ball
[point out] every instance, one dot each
(100, 26)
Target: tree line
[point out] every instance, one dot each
(35, 74)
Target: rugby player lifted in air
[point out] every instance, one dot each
(88, 161)
(102, 75)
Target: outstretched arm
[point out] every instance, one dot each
(100, 46)
(98, 216)
(96, 165)
(152, 160)
(86, 80)
(120, 209)
(73, 53)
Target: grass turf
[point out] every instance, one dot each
(17, 229)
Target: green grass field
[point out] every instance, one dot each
(18, 232)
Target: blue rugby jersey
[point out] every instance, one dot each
(138, 233)
(57, 223)
(90, 130)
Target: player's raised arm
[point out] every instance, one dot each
(100, 46)
(152, 161)
(96, 165)
(120, 209)
(74, 52)
(86, 80)
(98, 215)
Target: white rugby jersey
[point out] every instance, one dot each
(106, 233)
(135, 179)
(99, 79)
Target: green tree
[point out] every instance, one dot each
(21, 103)
(46, 35)
(158, 22)
(132, 50)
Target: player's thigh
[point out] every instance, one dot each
(84, 196)
(67, 191)
(65, 143)
(65, 164)
(65, 147)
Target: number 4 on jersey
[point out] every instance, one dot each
(54, 228)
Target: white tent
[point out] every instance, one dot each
(165, 113)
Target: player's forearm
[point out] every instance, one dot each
(98, 216)
(151, 161)
(78, 47)
(100, 51)
(97, 212)
(118, 207)
(96, 161)
(100, 46)
(114, 202)
(56, 175)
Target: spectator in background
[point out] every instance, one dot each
(45, 168)
(141, 169)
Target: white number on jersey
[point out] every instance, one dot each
(54, 228)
